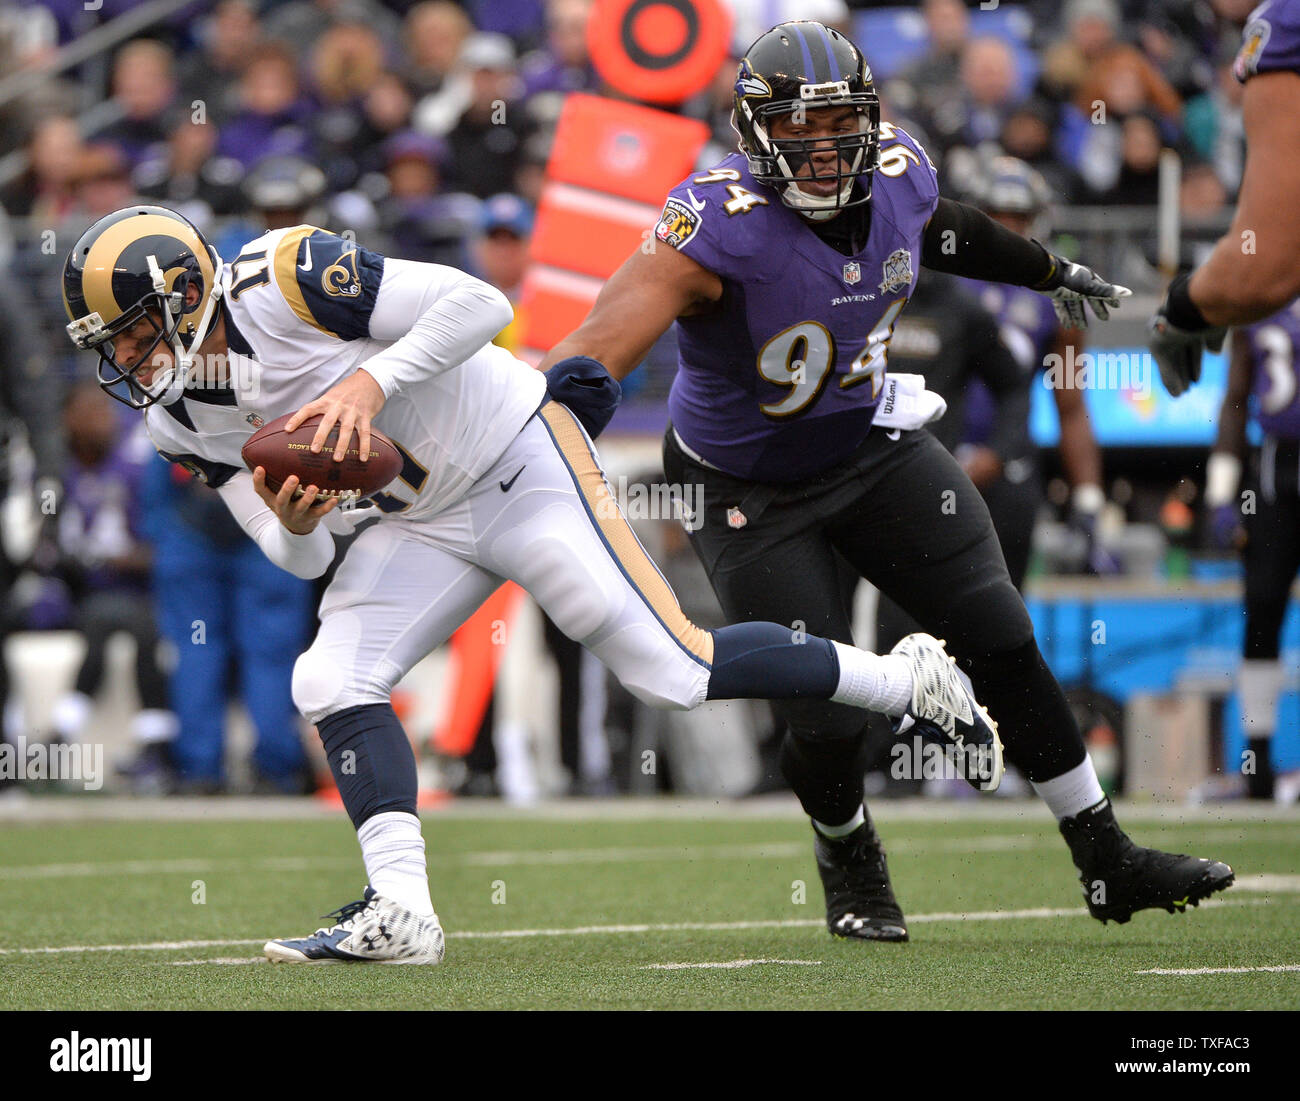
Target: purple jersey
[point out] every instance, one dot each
(1029, 326)
(1274, 343)
(1270, 41)
(101, 516)
(783, 378)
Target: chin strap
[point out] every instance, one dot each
(185, 358)
(173, 386)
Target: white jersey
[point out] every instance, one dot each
(304, 309)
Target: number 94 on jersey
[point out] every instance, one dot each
(802, 360)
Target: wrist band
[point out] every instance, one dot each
(1179, 307)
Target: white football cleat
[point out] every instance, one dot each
(373, 930)
(944, 705)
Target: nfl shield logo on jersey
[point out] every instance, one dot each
(255, 420)
(897, 271)
(736, 518)
(852, 272)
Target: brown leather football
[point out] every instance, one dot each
(282, 453)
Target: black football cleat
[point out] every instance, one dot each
(1120, 878)
(860, 903)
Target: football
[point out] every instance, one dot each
(282, 453)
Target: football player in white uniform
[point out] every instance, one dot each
(500, 482)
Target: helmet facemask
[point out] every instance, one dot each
(166, 311)
(778, 162)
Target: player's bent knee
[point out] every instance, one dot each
(319, 686)
(656, 672)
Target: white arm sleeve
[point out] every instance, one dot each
(304, 556)
(437, 316)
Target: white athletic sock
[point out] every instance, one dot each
(393, 850)
(153, 724)
(1066, 795)
(1259, 683)
(836, 832)
(70, 714)
(878, 682)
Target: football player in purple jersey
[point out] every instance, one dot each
(785, 267)
(1016, 196)
(1252, 271)
(1263, 364)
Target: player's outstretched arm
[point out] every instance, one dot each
(1252, 271)
(961, 240)
(635, 307)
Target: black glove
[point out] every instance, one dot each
(1178, 334)
(591, 393)
(1178, 352)
(1071, 286)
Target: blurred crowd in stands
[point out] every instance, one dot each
(424, 129)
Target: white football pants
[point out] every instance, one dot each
(544, 517)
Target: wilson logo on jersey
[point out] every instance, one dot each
(897, 271)
(340, 278)
(678, 223)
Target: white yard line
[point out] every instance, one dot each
(600, 930)
(163, 867)
(222, 960)
(154, 946)
(727, 965)
(498, 858)
(1282, 884)
(616, 854)
(1218, 970)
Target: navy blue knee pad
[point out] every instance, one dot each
(765, 661)
(371, 760)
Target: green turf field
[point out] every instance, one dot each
(588, 908)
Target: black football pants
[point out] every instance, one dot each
(1272, 552)
(900, 513)
(1013, 508)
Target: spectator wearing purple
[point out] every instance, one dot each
(273, 117)
(563, 64)
(211, 74)
(144, 89)
(346, 65)
(520, 20)
(185, 176)
(423, 223)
